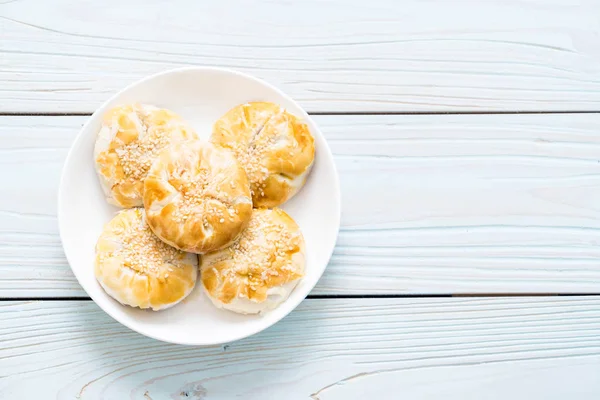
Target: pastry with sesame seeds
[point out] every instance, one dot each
(197, 197)
(137, 269)
(275, 148)
(129, 140)
(260, 270)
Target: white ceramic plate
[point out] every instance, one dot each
(201, 96)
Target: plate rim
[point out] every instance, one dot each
(70, 154)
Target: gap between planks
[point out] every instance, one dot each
(354, 296)
(510, 112)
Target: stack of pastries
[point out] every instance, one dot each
(201, 210)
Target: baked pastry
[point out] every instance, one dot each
(197, 197)
(275, 148)
(128, 142)
(137, 269)
(260, 270)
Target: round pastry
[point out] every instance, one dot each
(275, 148)
(137, 269)
(197, 197)
(128, 142)
(260, 270)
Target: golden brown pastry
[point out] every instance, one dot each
(197, 197)
(260, 270)
(137, 269)
(128, 142)
(275, 148)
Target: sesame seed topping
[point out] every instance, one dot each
(253, 154)
(142, 251)
(193, 192)
(264, 250)
(137, 156)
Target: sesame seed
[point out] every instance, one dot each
(137, 156)
(142, 251)
(193, 189)
(264, 250)
(254, 153)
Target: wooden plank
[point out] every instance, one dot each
(380, 55)
(500, 348)
(430, 204)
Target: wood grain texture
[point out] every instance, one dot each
(379, 55)
(502, 348)
(430, 204)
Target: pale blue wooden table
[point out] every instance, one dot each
(467, 138)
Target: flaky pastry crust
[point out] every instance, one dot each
(129, 140)
(197, 197)
(275, 148)
(138, 269)
(260, 269)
